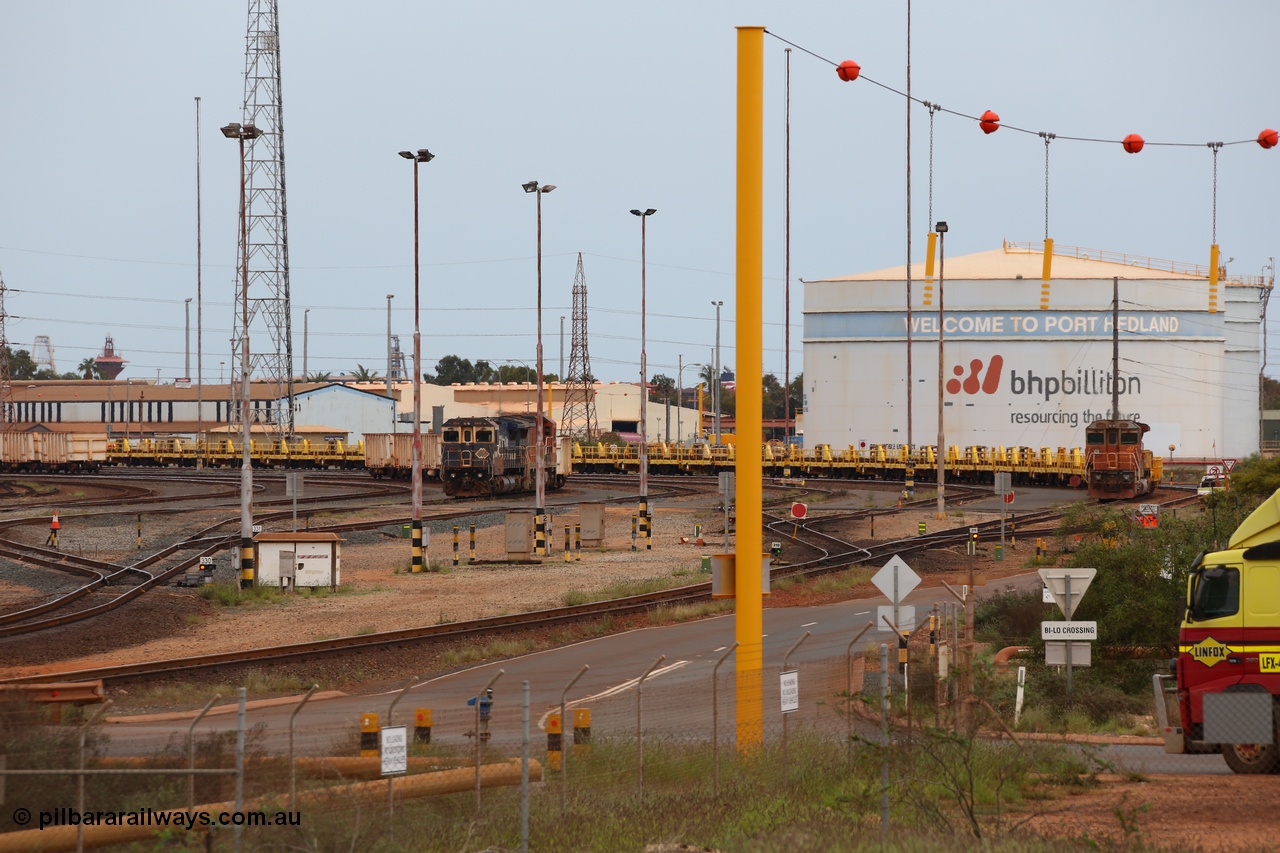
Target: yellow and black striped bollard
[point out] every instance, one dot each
(633, 533)
(577, 543)
(472, 557)
(416, 533)
(555, 742)
(422, 725)
(582, 733)
(455, 546)
(368, 735)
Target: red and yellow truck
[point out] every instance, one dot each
(1228, 666)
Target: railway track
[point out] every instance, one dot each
(835, 555)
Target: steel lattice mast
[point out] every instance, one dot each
(579, 398)
(268, 243)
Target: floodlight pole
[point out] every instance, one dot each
(422, 156)
(941, 229)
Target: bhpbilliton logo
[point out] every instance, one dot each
(976, 380)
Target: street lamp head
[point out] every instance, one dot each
(408, 155)
(546, 188)
(530, 187)
(235, 130)
(941, 228)
(649, 212)
(423, 156)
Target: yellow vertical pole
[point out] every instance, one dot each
(931, 252)
(749, 627)
(1213, 279)
(1046, 273)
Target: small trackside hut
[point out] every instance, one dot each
(300, 559)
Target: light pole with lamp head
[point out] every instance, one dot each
(422, 156)
(646, 532)
(540, 476)
(241, 133)
(941, 229)
(715, 387)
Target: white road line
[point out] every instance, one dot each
(808, 624)
(862, 613)
(626, 685)
(722, 648)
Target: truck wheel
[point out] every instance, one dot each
(1252, 757)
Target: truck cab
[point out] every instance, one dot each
(1228, 664)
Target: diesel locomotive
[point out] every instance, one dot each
(1116, 464)
(496, 455)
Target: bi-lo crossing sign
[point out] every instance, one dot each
(1062, 639)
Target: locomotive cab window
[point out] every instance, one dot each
(466, 436)
(1129, 438)
(451, 435)
(484, 436)
(1113, 436)
(1215, 592)
(1093, 438)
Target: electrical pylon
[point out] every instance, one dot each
(271, 357)
(579, 395)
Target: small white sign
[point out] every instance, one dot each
(1068, 630)
(906, 616)
(790, 684)
(1148, 509)
(907, 580)
(257, 528)
(206, 561)
(395, 750)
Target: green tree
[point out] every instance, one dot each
(1137, 595)
(21, 364)
(1270, 393)
(1255, 479)
(364, 374)
(88, 369)
(662, 387)
(317, 377)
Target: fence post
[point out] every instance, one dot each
(237, 830)
(715, 722)
(191, 755)
(524, 767)
(84, 731)
(639, 730)
(786, 660)
(564, 753)
(848, 678)
(479, 696)
(884, 743)
(293, 775)
(391, 780)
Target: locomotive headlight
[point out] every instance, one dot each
(482, 453)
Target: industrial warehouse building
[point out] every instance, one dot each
(1029, 364)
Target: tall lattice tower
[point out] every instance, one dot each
(6, 381)
(579, 395)
(271, 351)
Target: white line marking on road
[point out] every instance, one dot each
(626, 685)
(722, 648)
(862, 613)
(808, 624)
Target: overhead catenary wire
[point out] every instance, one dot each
(975, 118)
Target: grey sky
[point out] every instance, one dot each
(620, 106)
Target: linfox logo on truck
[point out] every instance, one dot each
(1208, 651)
(975, 381)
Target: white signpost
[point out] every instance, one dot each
(395, 750)
(1067, 586)
(790, 687)
(896, 580)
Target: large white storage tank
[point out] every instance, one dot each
(1017, 374)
